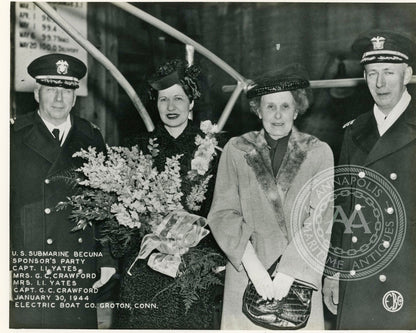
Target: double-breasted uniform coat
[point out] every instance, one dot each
(385, 299)
(250, 204)
(39, 233)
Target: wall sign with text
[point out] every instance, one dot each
(36, 34)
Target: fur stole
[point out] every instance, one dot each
(257, 155)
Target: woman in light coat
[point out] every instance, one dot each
(273, 198)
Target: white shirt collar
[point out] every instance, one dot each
(63, 128)
(385, 122)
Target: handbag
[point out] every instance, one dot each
(291, 312)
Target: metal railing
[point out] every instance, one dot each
(242, 82)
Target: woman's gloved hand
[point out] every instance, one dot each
(257, 273)
(281, 285)
(330, 291)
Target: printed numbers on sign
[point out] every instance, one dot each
(46, 18)
(46, 38)
(49, 47)
(48, 28)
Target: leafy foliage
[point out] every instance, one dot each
(198, 273)
(89, 207)
(68, 177)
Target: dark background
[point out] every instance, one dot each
(245, 35)
(317, 35)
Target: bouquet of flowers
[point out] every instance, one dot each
(123, 191)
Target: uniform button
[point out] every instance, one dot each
(361, 174)
(386, 244)
(47, 181)
(393, 176)
(47, 210)
(80, 271)
(382, 278)
(390, 210)
(49, 241)
(352, 272)
(80, 240)
(357, 207)
(354, 239)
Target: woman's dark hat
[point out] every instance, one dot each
(57, 70)
(289, 78)
(177, 71)
(377, 46)
(165, 81)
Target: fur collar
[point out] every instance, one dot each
(258, 158)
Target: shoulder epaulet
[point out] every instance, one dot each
(22, 121)
(86, 125)
(348, 123)
(94, 126)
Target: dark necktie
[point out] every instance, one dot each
(55, 133)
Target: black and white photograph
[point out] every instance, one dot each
(206, 165)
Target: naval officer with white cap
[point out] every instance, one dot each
(384, 142)
(41, 147)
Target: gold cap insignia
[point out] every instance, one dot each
(62, 67)
(378, 42)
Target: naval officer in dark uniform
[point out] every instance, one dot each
(53, 269)
(383, 143)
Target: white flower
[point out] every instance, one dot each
(206, 150)
(197, 195)
(123, 217)
(140, 191)
(200, 164)
(208, 128)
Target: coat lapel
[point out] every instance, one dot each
(257, 156)
(77, 138)
(297, 150)
(401, 133)
(365, 132)
(40, 140)
(64, 159)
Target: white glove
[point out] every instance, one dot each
(257, 273)
(105, 275)
(281, 285)
(331, 292)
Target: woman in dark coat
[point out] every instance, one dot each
(155, 304)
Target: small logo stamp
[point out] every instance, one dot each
(393, 301)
